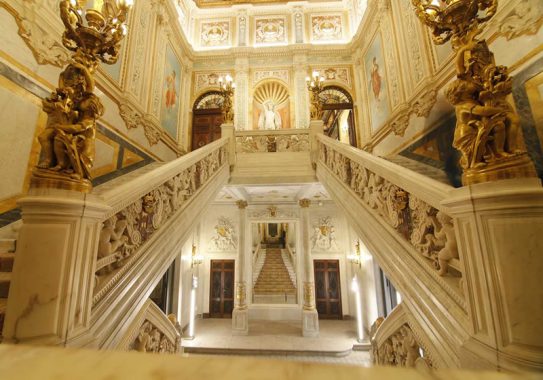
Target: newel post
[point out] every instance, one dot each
(52, 282)
(228, 130)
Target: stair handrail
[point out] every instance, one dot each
(408, 202)
(140, 207)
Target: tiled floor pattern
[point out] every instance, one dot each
(334, 344)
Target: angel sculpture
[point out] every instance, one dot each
(269, 118)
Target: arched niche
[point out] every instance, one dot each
(271, 106)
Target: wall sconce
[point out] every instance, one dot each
(195, 258)
(315, 85)
(227, 87)
(356, 257)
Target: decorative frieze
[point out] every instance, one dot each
(525, 19)
(282, 75)
(224, 238)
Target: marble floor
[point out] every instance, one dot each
(279, 340)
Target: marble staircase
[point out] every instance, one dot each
(274, 277)
(290, 267)
(7, 256)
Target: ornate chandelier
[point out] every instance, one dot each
(228, 87)
(315, 85)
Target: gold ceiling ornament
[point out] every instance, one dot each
(227, 87)
(94, 31)
(315, 85)
(487, 132)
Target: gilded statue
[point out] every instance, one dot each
(68, 140)
(487, 132)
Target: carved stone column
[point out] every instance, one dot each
(498, 228)
(240, 315)
(52, 282)
(241, 101)
(310, 317)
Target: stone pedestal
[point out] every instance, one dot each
(53, 276)
(499, 227)
(240, 321)
(310, 323)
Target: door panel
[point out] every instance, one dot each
(221, 297)
(328, 289)
(206, 127)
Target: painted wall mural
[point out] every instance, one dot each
(326, 28)
(271, 30)
(377, 89)
(213, 34)
(169, 115)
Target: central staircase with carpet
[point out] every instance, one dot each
(274, 284)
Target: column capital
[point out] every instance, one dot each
(242, 204)
(304, 203)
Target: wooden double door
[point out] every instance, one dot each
(206, 127)
(328, 289)
(221, 298)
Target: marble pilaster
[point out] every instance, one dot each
(310, 317)
(301, 110)
(240, 315)
(241, 96)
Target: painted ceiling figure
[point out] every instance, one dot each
(269, 118)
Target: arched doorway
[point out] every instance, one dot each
(338, 115)
(207, 118)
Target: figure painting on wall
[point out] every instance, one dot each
(170, 93)
(269, 118)
(377, 84)
(376, 80)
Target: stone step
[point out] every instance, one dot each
(7, 245)
(6, 262)
(5, 279)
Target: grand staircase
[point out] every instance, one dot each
(7, 255)
(274, 278)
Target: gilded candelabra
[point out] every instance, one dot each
(228, 87)
(487, 132)
(94, 33)
(315, 85)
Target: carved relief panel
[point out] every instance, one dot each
(215, 33)
(326, 28)
(270, 30)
